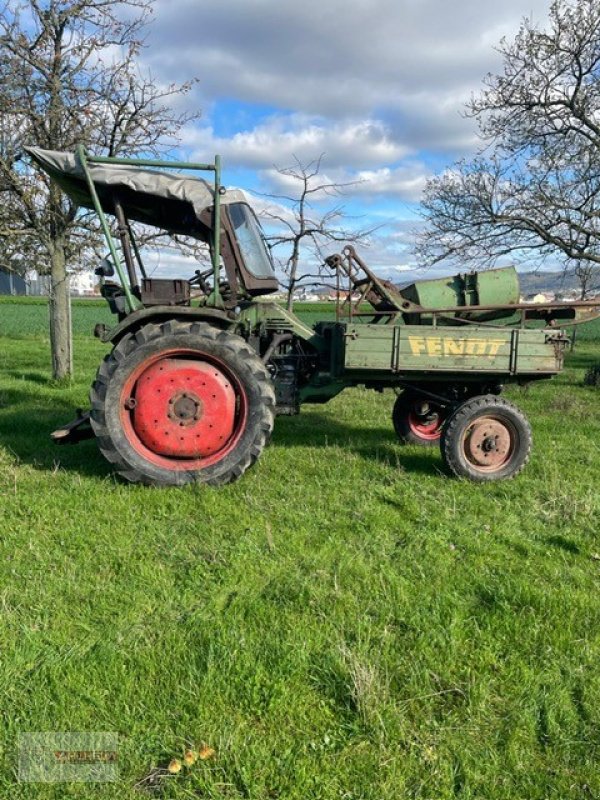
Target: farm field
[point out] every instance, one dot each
(28, 316)
(344, 623)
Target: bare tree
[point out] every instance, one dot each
(587, 277)
(534, 189)
(304, 223)
(68, 75)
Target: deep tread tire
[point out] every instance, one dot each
(461, 421)
(406, 433)
(152, 339)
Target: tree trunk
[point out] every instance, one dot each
(290, 297)
(582, 296)
(60, 316)
(293, 272)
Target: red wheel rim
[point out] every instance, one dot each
(182, 410)
(428, 428)
(489, 443)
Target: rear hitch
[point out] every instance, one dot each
(75, 431)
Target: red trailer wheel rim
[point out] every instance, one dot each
(489, 443)
(429, 428)
(182, 410)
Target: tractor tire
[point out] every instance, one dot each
(180, 402)
(486, 438)
(417, 420)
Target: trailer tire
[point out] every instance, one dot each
(413, 427)
(179, 402)
(486, 438)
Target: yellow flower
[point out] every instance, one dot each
(189, 758)
(205, 752)
(174, 766)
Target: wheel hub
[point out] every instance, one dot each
(425, 424)
(183, 408)
(488, 443)
(425, 421)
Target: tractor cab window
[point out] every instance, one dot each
(250, 240)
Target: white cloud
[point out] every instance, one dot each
(281, 137)
(378, 86)
(409, 63)
(353, 152)
(405, 182)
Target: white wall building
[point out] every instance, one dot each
(84, 282)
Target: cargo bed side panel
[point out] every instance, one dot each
(413, 348)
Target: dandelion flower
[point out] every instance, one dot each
(174, 766)
(205, 752)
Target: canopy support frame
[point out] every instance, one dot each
(215, 299)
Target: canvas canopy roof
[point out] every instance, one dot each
(168, 200)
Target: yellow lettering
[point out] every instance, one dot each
(434, 346)
(437, 346)
(454, 347)
(417, 345)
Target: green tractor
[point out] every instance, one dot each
(200, 368)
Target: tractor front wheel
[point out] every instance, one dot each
(180, 402)
(486, 439)
(417, 420)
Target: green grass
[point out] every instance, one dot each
(22, 317)
(344, 623)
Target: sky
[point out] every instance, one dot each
(377, 87)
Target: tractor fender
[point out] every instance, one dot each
(217, 317)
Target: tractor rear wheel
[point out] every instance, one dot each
(486, 439)
(179, 402)
(417, 420)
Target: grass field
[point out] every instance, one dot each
(344, 623)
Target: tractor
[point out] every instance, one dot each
(199, 368)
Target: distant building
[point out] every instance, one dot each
(568, 296)
(37, 285)
(83, 283)
(343, 295)
(540, 297)
(10, 283)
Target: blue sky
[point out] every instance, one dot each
(376, 87)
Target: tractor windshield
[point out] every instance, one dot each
(250, 240)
